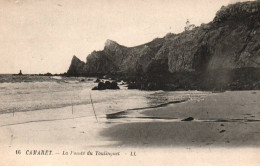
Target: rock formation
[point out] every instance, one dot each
(20, 73)
(77, 67)
(230, 41)
(106, 85)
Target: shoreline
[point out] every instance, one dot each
(161, 127)
(239, 105)
(211, 105)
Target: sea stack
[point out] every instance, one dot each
(20, 73)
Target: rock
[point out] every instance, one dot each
(95, 88)
(114, 85)
(97, 80)
(116, 58)
(20, 73)
(236, 11)
(77, 67)
(188, 119)
(101, 86)
(106, 85)
(222, 131)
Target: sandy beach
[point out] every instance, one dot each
(225, 125)
(229, 119)
(221, 119)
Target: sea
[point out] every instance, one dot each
(28, 93)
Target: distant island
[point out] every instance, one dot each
(221, 55)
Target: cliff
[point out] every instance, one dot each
(230, 41)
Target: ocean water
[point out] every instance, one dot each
(41, 93)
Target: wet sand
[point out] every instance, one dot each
(229, 119)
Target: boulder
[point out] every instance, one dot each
(188, 119)
(101, 86)
(114, 85)
(106, 85)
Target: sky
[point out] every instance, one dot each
(40, 36)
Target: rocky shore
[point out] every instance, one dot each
(221, 55)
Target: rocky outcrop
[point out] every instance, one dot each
(77, 67)
(20, 73)
(230, 41)
(238, 10)
(116, 58)
(106, 85)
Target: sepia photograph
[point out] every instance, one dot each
(129, 82)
